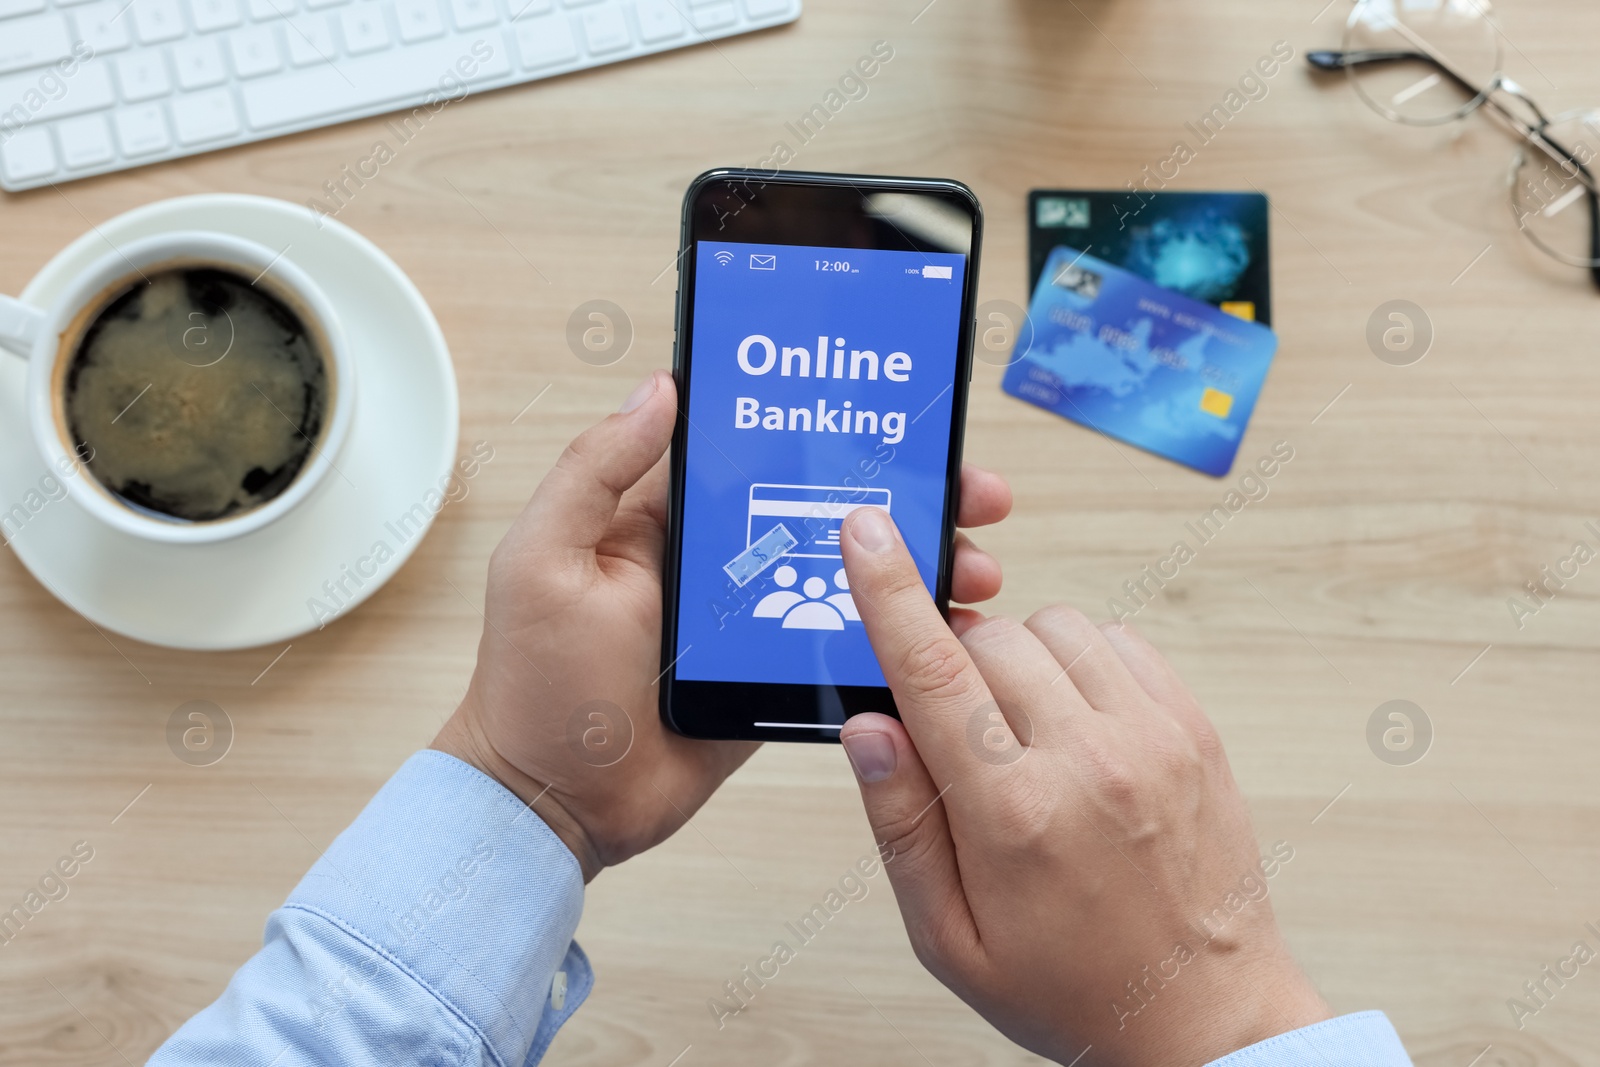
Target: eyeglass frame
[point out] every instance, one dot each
(1531, 132)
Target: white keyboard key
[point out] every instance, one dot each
(28, 155)
(526, 9)
(364, 30)
(310, 40)
(579, 3)
(419, 20)
(157, 20)
(261, 10)
(318, 5)
(142, 76)
(403, 74)
(255, 52)
(546, 41)
(68, 3)
(473, 14)
(606, 30)
(88, 90)
(199, 63)
(85, 142)
(142, 130)
(658, 21)
(10, 9)
(99, 27)
(33, 42)
(207, 116)
(715, 17)
(765, 9)
(211, 15)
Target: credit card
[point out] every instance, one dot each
(1140, 363)
(1211, 247)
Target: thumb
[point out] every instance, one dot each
(574, 505)
(907, 816)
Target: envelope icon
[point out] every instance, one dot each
(760, 262)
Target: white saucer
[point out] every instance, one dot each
(256, 589)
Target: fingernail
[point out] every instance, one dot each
(640, 394)
(871, 754)
(871, 529)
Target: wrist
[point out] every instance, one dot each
(463, 737)
(1234, 1004)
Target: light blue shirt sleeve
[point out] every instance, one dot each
(1365, 1039)
(437, 929)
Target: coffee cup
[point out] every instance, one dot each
(238, 359)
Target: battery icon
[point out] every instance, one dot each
(935, 272)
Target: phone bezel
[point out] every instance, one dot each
(720, 710)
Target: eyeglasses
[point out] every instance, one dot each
(1431, 63)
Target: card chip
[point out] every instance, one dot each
(1240, 309)
(1216, 402)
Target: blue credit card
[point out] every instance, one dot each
(1140, 363)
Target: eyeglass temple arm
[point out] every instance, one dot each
(1332, 60)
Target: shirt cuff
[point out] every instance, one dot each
(458, 883)
(1365, 1039)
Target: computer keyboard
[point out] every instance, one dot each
(91, 86)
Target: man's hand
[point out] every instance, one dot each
(562, 708)
(1072, 856)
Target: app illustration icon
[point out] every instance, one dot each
(812, 608)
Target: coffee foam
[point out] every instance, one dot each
(199, 394)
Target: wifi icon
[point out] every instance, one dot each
(723, 257)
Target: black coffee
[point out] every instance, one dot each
(196, 394)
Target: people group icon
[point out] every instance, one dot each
(812, 608)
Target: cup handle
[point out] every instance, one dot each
(19, 326)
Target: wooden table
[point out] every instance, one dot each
(1419, 499)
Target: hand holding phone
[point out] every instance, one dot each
(1072, 856)
(561, 709)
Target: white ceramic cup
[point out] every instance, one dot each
(48, 337)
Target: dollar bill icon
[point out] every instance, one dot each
(763, 553)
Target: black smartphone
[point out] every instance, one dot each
(823, 353)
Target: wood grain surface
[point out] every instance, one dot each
(1419, 500)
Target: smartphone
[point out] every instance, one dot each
(823, 353)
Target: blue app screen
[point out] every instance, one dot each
(822, 380)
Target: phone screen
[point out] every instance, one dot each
(823, 356)
(822, 381)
